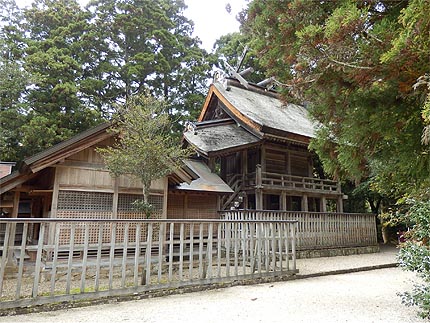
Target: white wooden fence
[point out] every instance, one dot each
(139, 256)
(319, 230)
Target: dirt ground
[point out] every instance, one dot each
(369, 296)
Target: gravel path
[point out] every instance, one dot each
(368, 296)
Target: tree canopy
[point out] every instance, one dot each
(79, 62)
(143, 146)
(352, 61)
(363, 69)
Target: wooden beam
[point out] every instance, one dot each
(263, 158)
(6, 204)
(283, 201)
(339, 204)
(68, 151)
(39, 192)
(259, 199)
(207, 103)
(323, 204)
(305, 206)
(20, 180)
(238, 116)
(115, 198)
(55, 191)
(165, 197)
(15, 209)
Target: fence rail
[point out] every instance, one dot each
(290, 182)
(319, 230)
(141, 255)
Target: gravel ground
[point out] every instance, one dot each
(310, 266)
(369, 296)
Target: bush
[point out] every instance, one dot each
(414, 255)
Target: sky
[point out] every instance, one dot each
(211, 19)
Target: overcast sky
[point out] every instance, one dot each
(211, 19)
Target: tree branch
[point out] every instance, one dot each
(331, 59)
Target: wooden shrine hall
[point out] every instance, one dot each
(259, 146)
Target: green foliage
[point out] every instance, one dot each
(363, 67)
(352, 61)
(142, 206)
(144, 148)
(80, 62)
(231, 47)
(149, 45)
(415, 255)
(13, 81)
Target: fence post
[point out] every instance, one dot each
(293, 243)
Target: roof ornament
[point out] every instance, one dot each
(230, 71)
(236, 75)
(267, 83)
(191, 127)
(241, 58)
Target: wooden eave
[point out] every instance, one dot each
(278, 135)
(183, 175)
(67, 148)
(234, 113)
(214, 138)
(232, 150)
(13, 180)
(223, 152)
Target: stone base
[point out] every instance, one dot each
(334, 252)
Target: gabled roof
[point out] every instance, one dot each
(218, 136)
(64, 149)
(261, 111)
(68, 147)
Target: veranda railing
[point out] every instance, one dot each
(319, 230)
(120, 257)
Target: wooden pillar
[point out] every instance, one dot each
(339, 205)
(15, 209)
(288, 163)
(54, 206)
(211, 164)
(258, 199)
(115, 198)
(185, 206)
(165, 197)
(263, 158)
(55, 191)
(244, 162)
(245, 202)
(305, 207)
(323, 204)
(283, 201)
(258, 189)
(310, 167)
(10, 264)
(258, 177)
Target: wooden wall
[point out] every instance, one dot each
(83, 188)
(192, 206)
(282, 160)
(85, 171)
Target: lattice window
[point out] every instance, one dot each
(85, 201)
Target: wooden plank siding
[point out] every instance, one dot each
(319, 230)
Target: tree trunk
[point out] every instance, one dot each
(145, 191)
